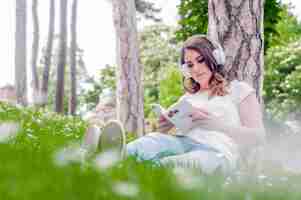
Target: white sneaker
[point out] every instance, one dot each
(91, 139)
(109, 137)
(112, 137)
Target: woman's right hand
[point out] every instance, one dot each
(164, 124)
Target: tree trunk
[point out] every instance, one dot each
(238, 26)
(59, 101)
(35, 50)
(20, 52)
(129, 72)
(73, 46)
(45, 79)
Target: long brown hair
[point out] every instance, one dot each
(218, 82)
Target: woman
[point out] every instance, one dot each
(228, 115)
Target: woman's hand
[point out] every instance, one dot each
(200, 114)
(204, 119)
(164, 124)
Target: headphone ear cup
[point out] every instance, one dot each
(219, 56)
(185, 72)
(218, 52)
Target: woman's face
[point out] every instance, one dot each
(197, 67)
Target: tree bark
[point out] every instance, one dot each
(48, 54)
(129, 72)
(59, 102)
(73, 46)
(35, 51)
(238, 26)
(20, 52)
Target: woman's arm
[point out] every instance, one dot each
(250, 133)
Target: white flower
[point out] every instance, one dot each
(8, 130)
(187, 178)
(262, 177)
(107, 159)
(71, 154)
(126, 189)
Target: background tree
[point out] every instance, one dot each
(105, 78)
(59, 102)
(35, 50)
(20, 52)
(147, 10)
(129, 71)
(82, 76)
(238, 26)
(73, 46)
(48, 54)
(194, 19)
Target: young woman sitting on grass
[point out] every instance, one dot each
(218, 141)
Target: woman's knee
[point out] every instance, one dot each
(146, 146)
(135, 147)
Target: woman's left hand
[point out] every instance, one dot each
(202, 118)
(200, 114)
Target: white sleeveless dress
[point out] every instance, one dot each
(225, 107)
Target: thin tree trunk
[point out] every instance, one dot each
(59, 102)
(73, 46)
(238, 26)
(20, 52)
(35, 50)
(129, 72)
(45, 79)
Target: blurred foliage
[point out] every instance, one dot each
(288, 28)
(158, 54)
(282, 83)
(171, 87)
(103, 81)
(194, 19)
(272, 10)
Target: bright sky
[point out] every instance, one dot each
(95, 32)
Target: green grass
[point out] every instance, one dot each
(28, 170)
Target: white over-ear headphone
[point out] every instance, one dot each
(218, 54)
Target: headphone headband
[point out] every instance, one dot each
(218, 52)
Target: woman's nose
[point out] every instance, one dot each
(195, 67)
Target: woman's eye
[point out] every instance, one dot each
(189, 65)
(201, 60)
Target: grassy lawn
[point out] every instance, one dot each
(28, 170)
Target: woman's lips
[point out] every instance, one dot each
(200, 75)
